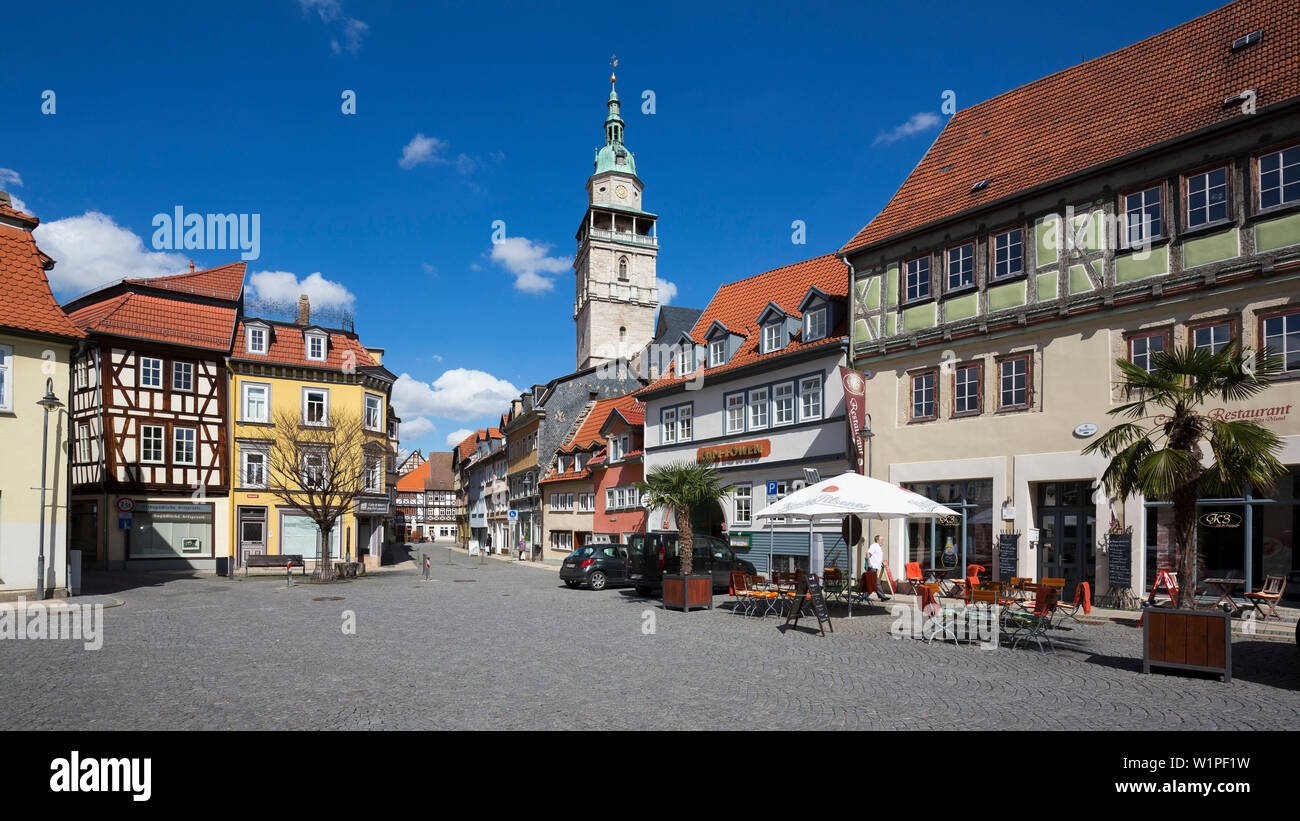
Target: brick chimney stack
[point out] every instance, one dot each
(304, 310)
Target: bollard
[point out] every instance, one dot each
(288, 575)
(426, 567)
(449, 555)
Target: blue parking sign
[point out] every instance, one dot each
(771, 488)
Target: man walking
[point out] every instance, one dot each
(875, 559)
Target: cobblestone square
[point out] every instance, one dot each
(501, 646)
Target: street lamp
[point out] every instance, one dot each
(49, 402)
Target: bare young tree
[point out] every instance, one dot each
(319, 468)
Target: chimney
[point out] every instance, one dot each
(191, 266)
(4, 198)
(304, 310)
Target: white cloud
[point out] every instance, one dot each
(667, 292)
(331, 13)
(529, 263)
(920, 122)
(422, 150)
(18, 204)
(461, 394)
(457, 436)
(10, 177)
(92, 250)
(416, 428)
(284, 286)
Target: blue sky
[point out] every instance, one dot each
(764, 114)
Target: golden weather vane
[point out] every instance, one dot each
(613, 64)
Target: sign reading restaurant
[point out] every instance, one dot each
(1277, 414)
(736, 452)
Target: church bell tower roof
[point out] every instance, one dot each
(613, 155)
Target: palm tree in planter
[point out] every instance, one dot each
(683, 487)
(1160, 451)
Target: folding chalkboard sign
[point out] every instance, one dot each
(810, 589)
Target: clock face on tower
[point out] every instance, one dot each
(621, 191)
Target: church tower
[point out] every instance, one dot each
(614, 268)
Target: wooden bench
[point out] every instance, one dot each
(288, 560)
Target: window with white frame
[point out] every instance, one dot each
(1143, 347)
(744, 503)
(758, 409)
(253, 465)
(314, 475)
(1013, 383)
(183, 376)
(83, 443)
(924, 397)
(6, 378)
(183, 446)
(1214, 337)
(1009, 253)
(917, 278)
(374, 474)
(562, 540)
(810, 398)
(151, 444)
(772, 336)
(586, 502)
(316, 347)
(814, 325)
(617, 447)
(374, 411)
(685, 424)
(961, 266)
(1279, 177)
(1282, 337)
(256, 402)
(686, 359)
(717, 352)
(315, 406)
(735, 413)
(150, 372)
(783, 404)
(966, 390)
(255, 340)
(1142, 217)
(1207, 197)
(668, 426)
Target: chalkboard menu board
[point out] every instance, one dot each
(1008, 556)
(810, 589)
(1119, 547)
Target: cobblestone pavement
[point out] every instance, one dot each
(501, 646)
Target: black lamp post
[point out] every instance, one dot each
(49, 402)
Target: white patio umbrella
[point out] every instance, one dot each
(855, 493)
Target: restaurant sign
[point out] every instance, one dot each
(1278, 413)
(736, 452)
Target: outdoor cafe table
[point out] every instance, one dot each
(1224, 587)
(940, 575)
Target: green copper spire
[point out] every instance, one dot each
(614, 156)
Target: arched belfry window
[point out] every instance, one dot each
(622, 268)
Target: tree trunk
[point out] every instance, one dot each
(326, 561)
(687, 540)
(1185, 542)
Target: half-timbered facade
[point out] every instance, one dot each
(150, 468)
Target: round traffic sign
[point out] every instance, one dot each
(126, 505)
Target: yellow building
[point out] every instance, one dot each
(36, 343)
(317, 374)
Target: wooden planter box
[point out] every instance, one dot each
(686, 592)
(1187, 640)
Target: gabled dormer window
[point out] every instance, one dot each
(773, 336)
(814, 325)
(686, 359)
(255, 339)
(316, 347)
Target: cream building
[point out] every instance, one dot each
(995, 291)
(36, 345)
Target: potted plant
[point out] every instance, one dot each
(683, 487)
(1158, 452)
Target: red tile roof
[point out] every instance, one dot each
(26, 303)
(737, 305)
(467, 447)
(158, 318)
(1132, 99)
(7, 210)
(222, 282)
(434, 474)
(288, 347)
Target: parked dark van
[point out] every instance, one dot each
(651, 555)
